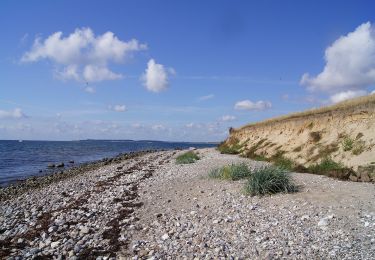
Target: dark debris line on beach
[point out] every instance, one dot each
(123, 181)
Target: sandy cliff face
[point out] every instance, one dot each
(344, 133)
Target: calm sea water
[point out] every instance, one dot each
(19, 160)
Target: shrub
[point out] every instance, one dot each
(270, 180)
(282, 162)
(359, 147)
(327, 164)
(347, 144)
(315, 136)
(226, 149)
(232, 172)
(188, 157)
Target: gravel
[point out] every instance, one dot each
(148, 207)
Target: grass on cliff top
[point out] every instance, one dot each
(188, 157)
(351, 103)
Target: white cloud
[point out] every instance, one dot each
(341, 96)
(155, 78)
(373, 92)
(350, 65)
(82, 55)
(203, 98)
(90, 90)
(249, 105)
(228, 118)
(12, 114)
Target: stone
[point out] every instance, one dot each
(52, 229)
(84, 230)
(51, 165)
(55, 244)
(165, 237)
(60, 165)
(367, 172)
(305, 217)
(323, 222)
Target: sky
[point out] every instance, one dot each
(175, 70)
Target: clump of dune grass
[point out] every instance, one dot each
(270, 180)
(232, 172)
(188, 157)
(347, 144)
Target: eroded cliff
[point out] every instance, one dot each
(344, 133)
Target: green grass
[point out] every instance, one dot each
(270, 180)
(232, 172)
(188, 157)
(330, 168)
(359, 147)
(281, 161)
(326, 165)
(347, 144)
(232, 147)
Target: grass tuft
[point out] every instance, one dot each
(270, 180)
(188, 157)
(347, 144)
(232, 172)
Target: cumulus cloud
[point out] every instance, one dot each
(249, 105)
(155, 78)
(82, 55)
(341, 96)
(350, 65)
(118, 108)
(228, 118)
(203, 98)
(12, 114)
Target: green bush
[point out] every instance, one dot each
(347, 144)
(327, 164)
(188, 157)
(232, 172)
(359, 147)
(282, 162)
(270, 180)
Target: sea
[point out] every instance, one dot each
(23, 159)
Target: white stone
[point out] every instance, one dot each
(55, 244)
(165, 236)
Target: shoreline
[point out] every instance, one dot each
(148, 206)
(34, 182)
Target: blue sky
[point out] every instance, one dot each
(175, 70)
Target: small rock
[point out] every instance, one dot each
(55, 244)
(165, 237)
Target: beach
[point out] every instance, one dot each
(145, 206)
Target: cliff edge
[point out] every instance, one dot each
(342, 134)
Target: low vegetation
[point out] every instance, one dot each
(188, 157)
(330, 168)
(232, 172)
(266, 180)
(347, 104)
(270, 180)
(359, 147)
(231, 147)
(347, 144)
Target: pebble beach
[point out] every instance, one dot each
(145, 206)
